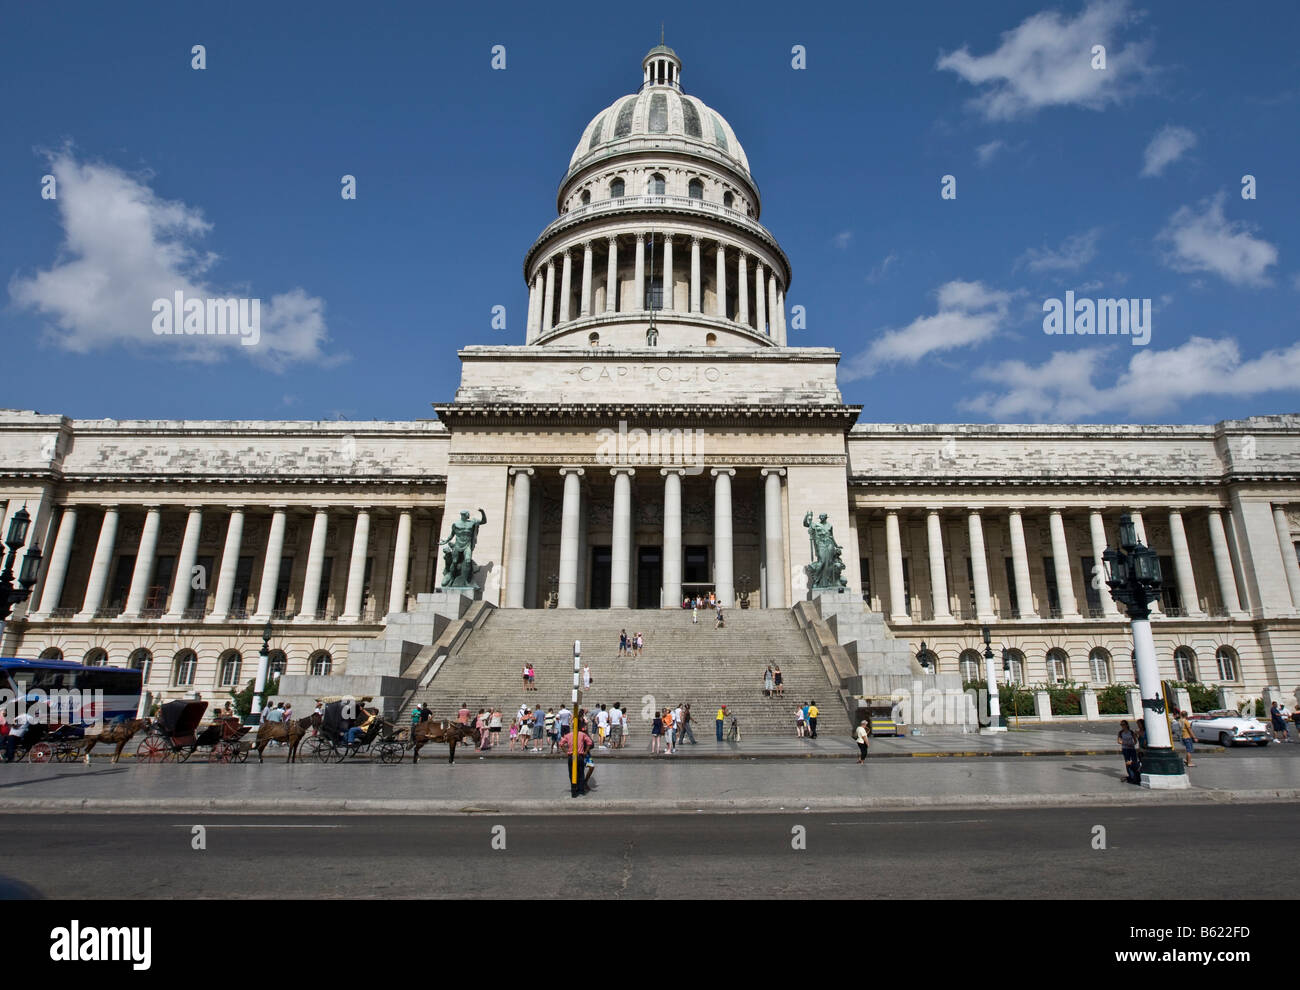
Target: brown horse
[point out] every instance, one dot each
(292, 733)
(449, 732)
(119, 733)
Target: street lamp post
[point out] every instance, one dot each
(263, 665)
(1133, 576)
(995, 705)
(27, 572)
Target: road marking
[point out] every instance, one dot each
(264, 826)
(924, 821)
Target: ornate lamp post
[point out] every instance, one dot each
(1133, 575)
(263, 665)
(27, 572)
(995, 704)
(923, 657)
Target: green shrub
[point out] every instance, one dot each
(1113, 700)
(1065, 699)
(1015, 701)
(243, 698)
(1204, 697)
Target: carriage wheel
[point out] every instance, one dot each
(40, 753)
(67, 754)
(310, 747)
(152, 750)
(241, 754)
(341, 753)
(220, 753)
(182, 753)
(325, 750)
(391, 752)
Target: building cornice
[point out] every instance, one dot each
(644, 414)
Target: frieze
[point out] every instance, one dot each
(730, 460)
(645, 374)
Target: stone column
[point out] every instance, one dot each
(98, 580)
(1061, 565)
(723, 549)
(720, 277)
(638, 278)
(620, 551)
(271, 565)
(136, 597)
(611, 276)
(517, 555)
(229, 565)
(1097, 529)
(352, 602)
(185, 564)
(533, 310)
(980, 568)
(695, 275)
(52, 590)
(672, 535)
(774, 536)
(780, 318)
(742, 289)
(548, 299)
(938, 572)
(315, 564)
(898, 605)
(1183, 566)
(1289, 561)
(584, 304)
(1223, 564)
(760, 293)
(668, 273)
(532, 571)
(401, 563)
(774, 321)
(570, 518)
(566, 287)
(1020, 566)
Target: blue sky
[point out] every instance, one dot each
(1124, 181)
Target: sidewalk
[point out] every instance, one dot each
(486, 785)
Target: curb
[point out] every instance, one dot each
(560, 805)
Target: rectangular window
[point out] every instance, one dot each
(1169, 599)
(1053, 595)
(282, 585)
(654, 293)
(1094, 594)
(907, 587)
(1011, 588)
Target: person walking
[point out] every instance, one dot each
(1278, 719)
(687, 732)
(1189, 741)
(799, 722)
(462, 716)
(718, 722)
(668, 731)
(622, 643)
(767, 682)
(812, 719)
(777, 684)
(1128, 743)
(656, 733)
(539, 728)
(862, 734)
(525, 677)
(552, 735)
(586, 677)
(695, 613)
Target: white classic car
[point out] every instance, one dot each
(1228, 728)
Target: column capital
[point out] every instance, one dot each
(630, 472)
(1016, 510)
(714, 472)
(667, 237)
(321, 508)
(235, 508)
(363, 509)
(150, 506)
(522, 470)
(778, 471)
(277, 506)
(695, 239)
(1099, 509)
(934, 510)
(1175, 509)
(1215, 510)
(612, 238)
(572, 470)
(974, 510)
(665, 472)
(194, 506)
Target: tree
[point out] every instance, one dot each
(243, 698)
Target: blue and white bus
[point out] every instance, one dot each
(76, 694)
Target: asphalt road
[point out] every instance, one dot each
(1243, 851)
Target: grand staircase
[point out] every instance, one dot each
(681, 662)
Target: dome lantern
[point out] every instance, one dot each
(661, 67)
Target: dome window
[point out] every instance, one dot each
(696, 189)
(658, 122)
(586, 196)
(691, 119)
(728, 200)
(616, 189)
(711, 339)
(656, 185)
(593, 340)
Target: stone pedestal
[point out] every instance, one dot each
(1088, 699)
(1183, 699)
(1228, 699)
(1042, 704)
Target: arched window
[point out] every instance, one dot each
(1058, 667)
(277, 663)
(51, 653)
(96, 657)
(616, 189)
(586, 196)
(183, 667)
(728, 199)
(593, 340)
(1226, 658)
(711, 339)
(1185, 664)
(228, 668)
(928, 660)
(1015, 669)
(141, 660)
(320, 664)
(1099, 666)
(971, 665)
(656, 185)
(695, 189)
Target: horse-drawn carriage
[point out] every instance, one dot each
(175, 735)
(42, 743)
(335, 740)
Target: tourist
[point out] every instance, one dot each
(525, 677)
(462, 716)
(1189, 741)
(481, 721)
(767, 682)
(695, 613)
(275, 714)
(579, 739)
(862, 734)
(563, 718)
(1278, 718)
(539, 728)
(668, 731)
(1128, 743)
(812, 719)
(719, 622)
(586, 677)
(415, 717)
(777, 684)
(656, 733)
(426, 712)
(799, 716)
(616, 719)
(718, 722)
(1295, 719)
(525, 731)
(622, 643)
(1142, 734)
(288, 712)
(686, 724)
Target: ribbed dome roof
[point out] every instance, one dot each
(659, 111)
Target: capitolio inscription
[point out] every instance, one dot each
(647, 374)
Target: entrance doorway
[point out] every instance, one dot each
(601, 571)
(649, 576)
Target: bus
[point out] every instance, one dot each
(76, 694)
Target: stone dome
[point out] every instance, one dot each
(659, 114)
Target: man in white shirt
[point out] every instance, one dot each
(602, 722)
(16, 733)
(616, 727)
(563, 718)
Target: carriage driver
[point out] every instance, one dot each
(357, 731)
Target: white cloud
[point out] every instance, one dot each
(1201, 239)
(969, 314)
(877, 273)
(985, 153)
(1074, 252)
(1166, 147)
(1154, 383)
(843, 239)
(124, 247)
(1047, 61)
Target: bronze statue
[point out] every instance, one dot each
(824, 573)
(458, 556)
